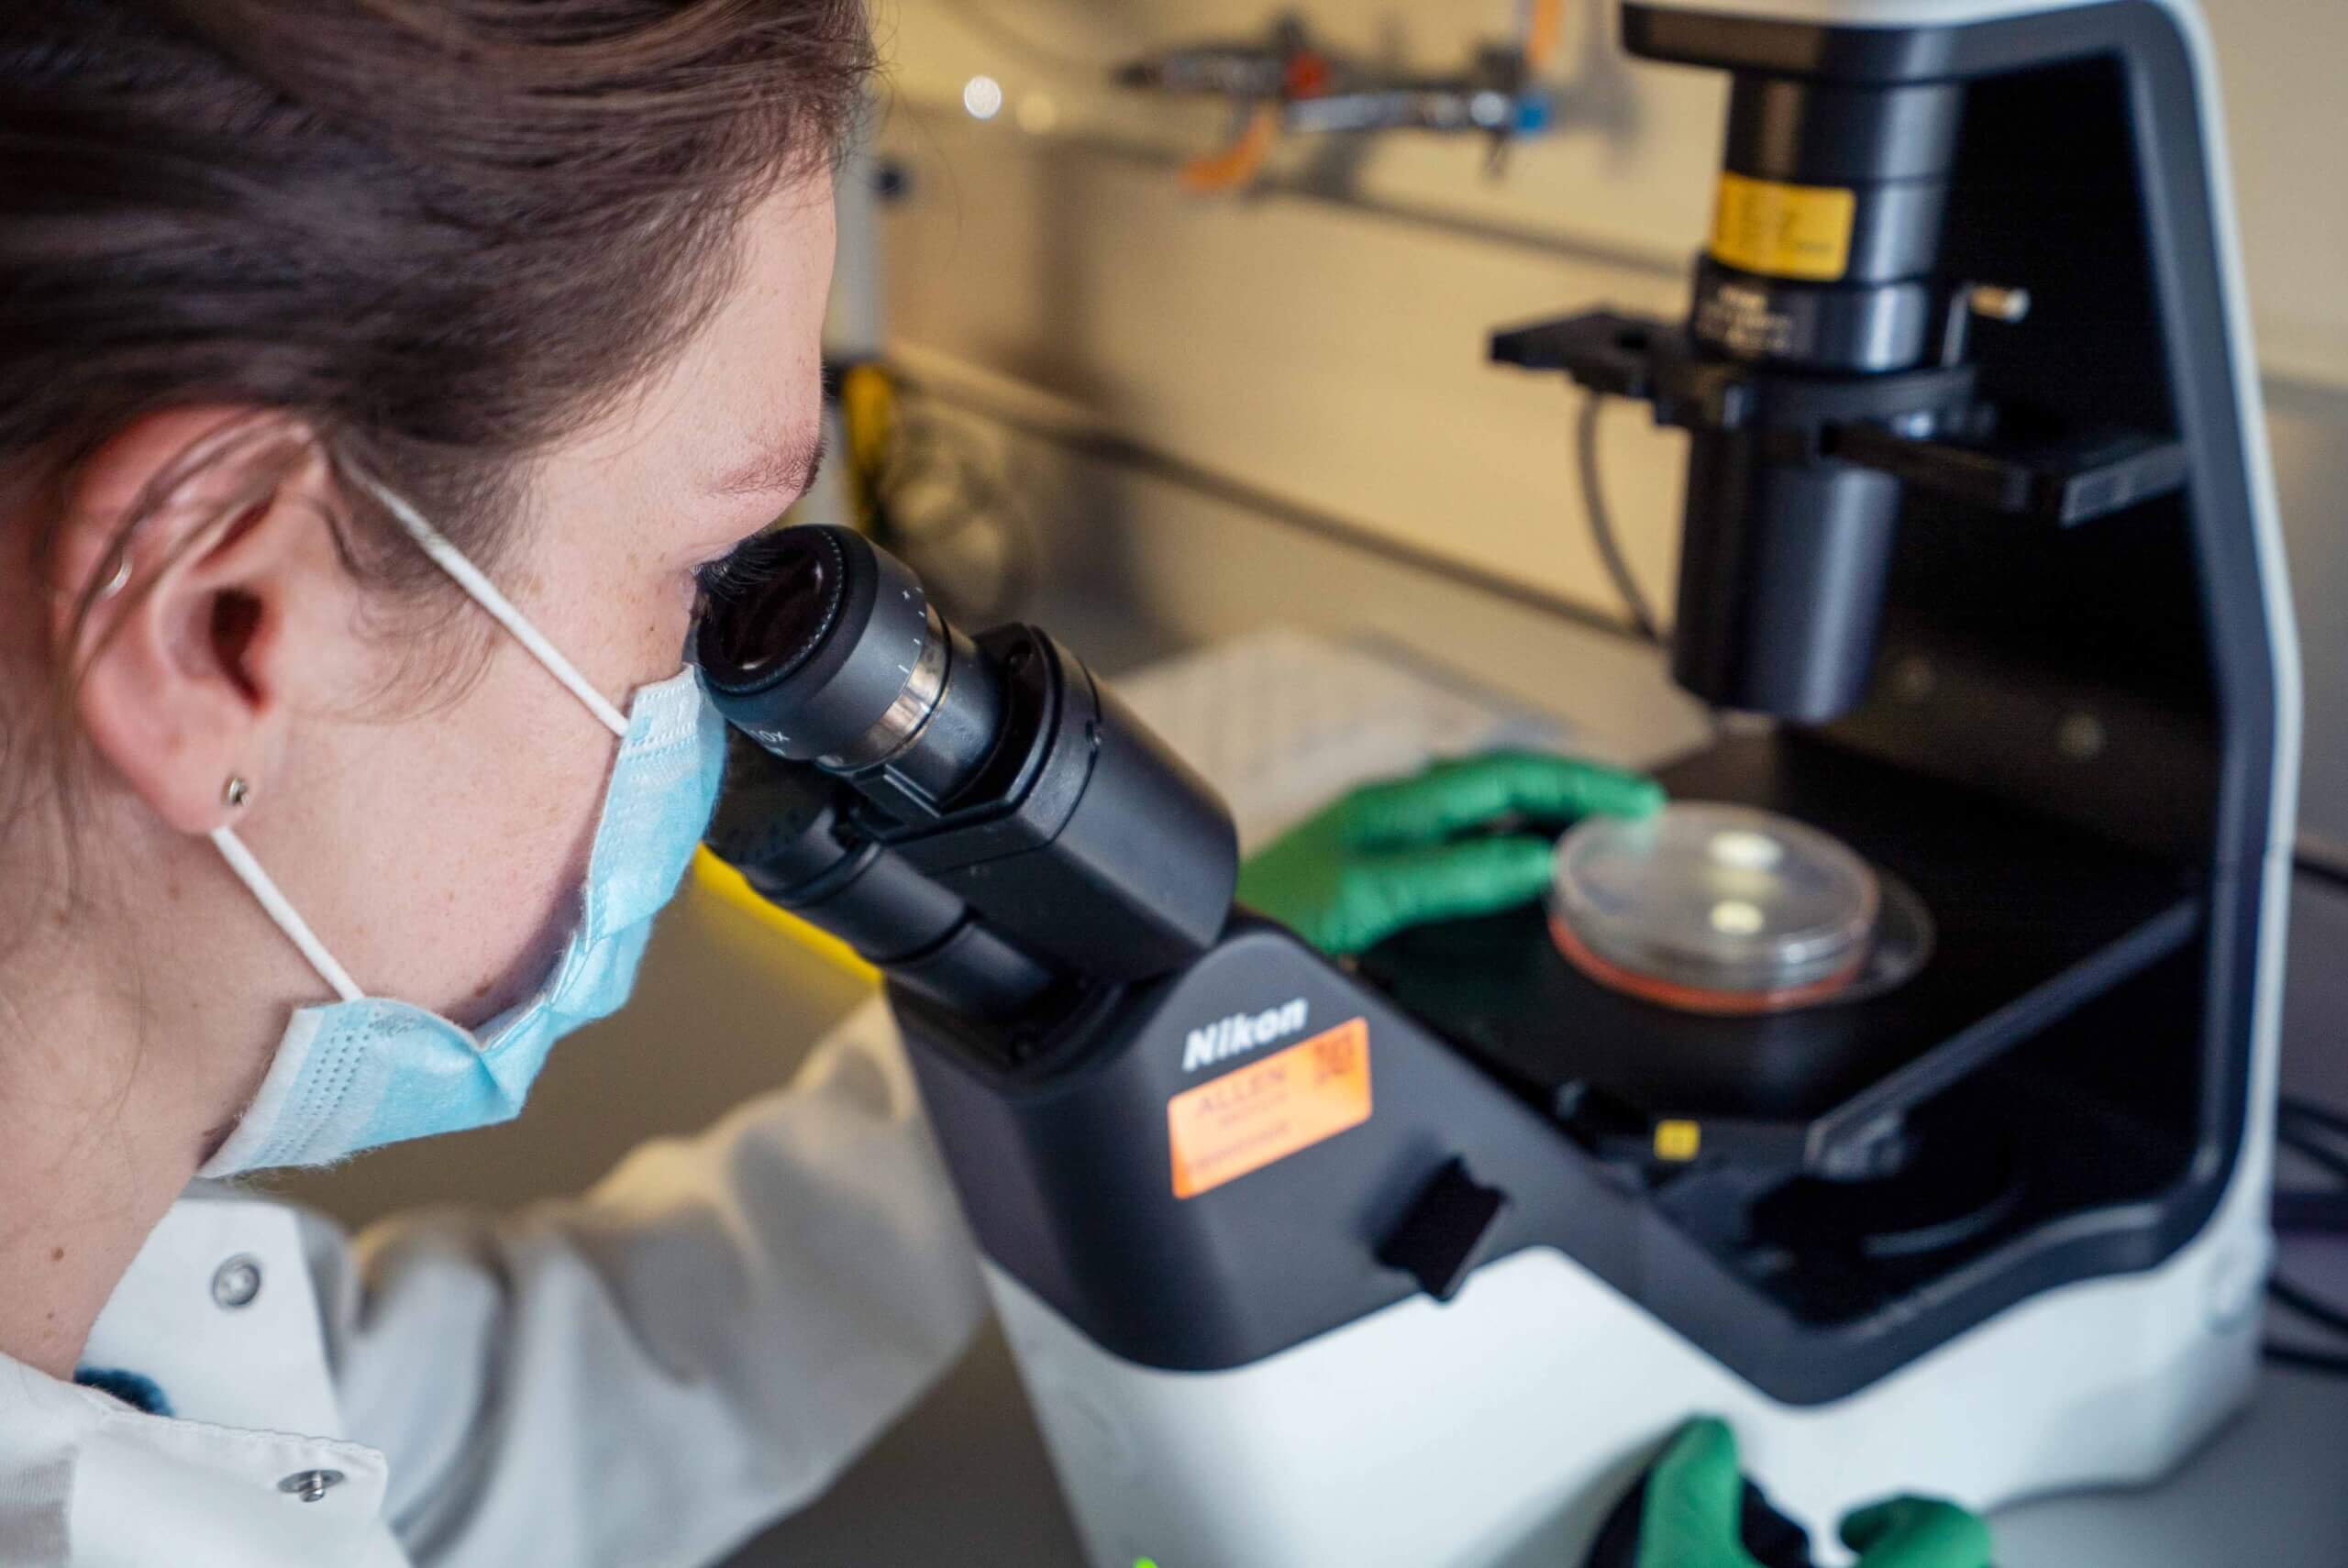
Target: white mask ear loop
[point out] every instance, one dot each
(484, 593)
(281, 909)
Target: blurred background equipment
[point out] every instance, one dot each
(1291, 84)
(935, 491)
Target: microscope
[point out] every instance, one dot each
(1416, 1260)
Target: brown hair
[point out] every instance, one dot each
(438, 234)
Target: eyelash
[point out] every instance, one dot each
(736, 570)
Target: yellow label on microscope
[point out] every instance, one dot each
(1783, 231)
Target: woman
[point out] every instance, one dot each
(379, 382)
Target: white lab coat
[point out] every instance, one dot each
(640, 1377)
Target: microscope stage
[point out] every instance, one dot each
(2033, 918)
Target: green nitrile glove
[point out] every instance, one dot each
(1917, 1532)
(1386, 855)
(1696, 1498)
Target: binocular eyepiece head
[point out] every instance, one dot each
(994, 824)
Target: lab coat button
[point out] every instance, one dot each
(311, 1484)
(237, 1282)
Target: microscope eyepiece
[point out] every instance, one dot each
(830, 653)
(789, 598)
(994, 824)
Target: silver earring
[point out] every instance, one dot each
(119, 580)
(235, 792)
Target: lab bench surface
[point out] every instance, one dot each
(964, 1479)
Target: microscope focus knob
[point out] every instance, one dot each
(1447, 1230)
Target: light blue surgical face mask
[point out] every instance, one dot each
(365, 1071)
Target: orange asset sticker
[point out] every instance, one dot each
(1268, 1111)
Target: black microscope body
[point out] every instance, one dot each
(1970, 514)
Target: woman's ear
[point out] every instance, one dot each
(192, 547)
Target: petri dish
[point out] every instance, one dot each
(1714, 908)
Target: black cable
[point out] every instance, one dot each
(2313, 1150)
(2301, 1211)
(2306, 1126)
(2329, 1363)
(2308, 1141)
(2316, 1310)
(2315, 1111)
(2308, 1305)
(2317, 1134)
(2320, 859)
(1601, 523)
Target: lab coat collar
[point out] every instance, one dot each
(219, 1312)
(233, 1478)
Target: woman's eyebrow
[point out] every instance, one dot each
(787, 468)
